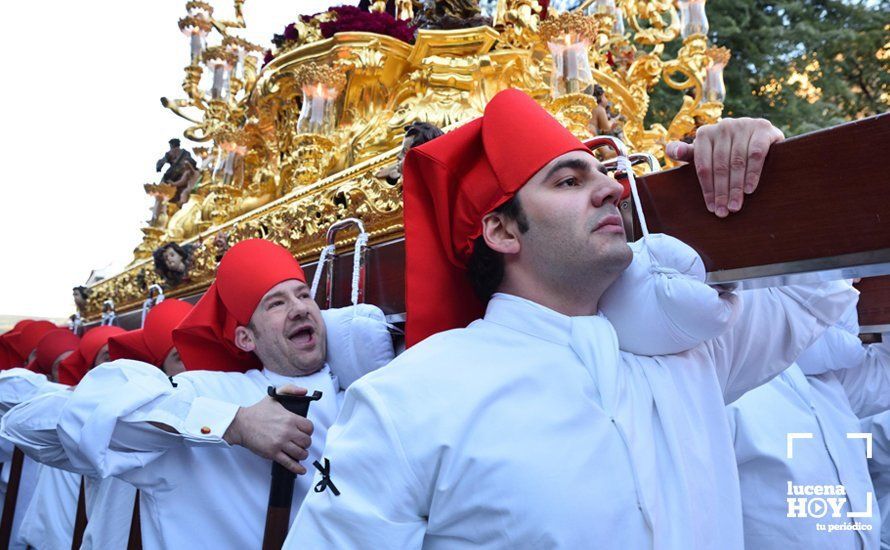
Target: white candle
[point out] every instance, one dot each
(316, 116)
(572, 62)
(239, 65)
(218, 81)
(197, 46)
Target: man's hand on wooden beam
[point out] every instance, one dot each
(728, 159)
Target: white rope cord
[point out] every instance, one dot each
(146, 307)
(625, 165)
(319, 267)
(151, 302)
(360, 243)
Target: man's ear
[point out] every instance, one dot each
(500, 233)
(244, 339)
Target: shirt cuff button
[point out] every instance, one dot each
(205, 430)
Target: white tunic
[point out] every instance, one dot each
(109, 511)
(109, 502)
(190, 478)
(48, 522)
(529, 429)
(760, 422)
(16, 386)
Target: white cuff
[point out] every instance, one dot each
(207, 420)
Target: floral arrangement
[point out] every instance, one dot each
(339, 19)
(290, 34)
(351, 18)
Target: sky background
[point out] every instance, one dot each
(82, 128)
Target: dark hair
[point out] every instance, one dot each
(82, 290)
(174, 142)
(598, 91)
(422, 132)
(486, 267)
(173, 278)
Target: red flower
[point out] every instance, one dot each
(290, 32)
(351, 18)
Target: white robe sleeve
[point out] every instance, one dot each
(31, 426)
(774, 326)
(868, 386)
(106, 427)
(836, 350)
(380, 503)
(19, 385)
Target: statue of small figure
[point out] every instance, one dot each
(605, 122)
(183, 170)
(450, 14)
(81, 293)
(220, 245)
(404, 10)
(172, 262)
(416, 133)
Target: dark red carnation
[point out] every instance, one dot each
(353, 19)
(290, 32)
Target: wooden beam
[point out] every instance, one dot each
(874, 305)
(822, 207)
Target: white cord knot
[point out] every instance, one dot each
(624, 165)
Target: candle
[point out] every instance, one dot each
(693, 19)
(572, 62)
(216, 90)
(197, 46)
(316, 115)
(239, 64)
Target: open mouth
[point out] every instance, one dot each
(303, 336)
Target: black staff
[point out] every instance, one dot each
(12, 495)
(281, 490)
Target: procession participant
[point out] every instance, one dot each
(775, 503)
(25, 341)
(50, 518)
(8, 356)
(53, 348)
(200, 449)
(529, 428)
(153, 343)
(92, 352)
(55, 491)
(22, 385)
(19, 384)
(879, 465)
(49, 521)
